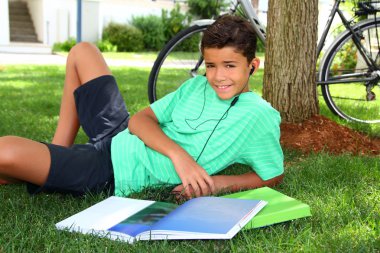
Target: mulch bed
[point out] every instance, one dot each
(319, 133)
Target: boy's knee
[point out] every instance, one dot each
(82, 47)
(79, 51)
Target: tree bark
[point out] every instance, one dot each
(290, 59)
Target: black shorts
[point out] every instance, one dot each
(87, 167)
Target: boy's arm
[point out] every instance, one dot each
(245, 181)
(235, 183)
(145, 125)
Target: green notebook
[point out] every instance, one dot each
(280, 207)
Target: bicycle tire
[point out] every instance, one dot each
(173, 64)
(351, 100)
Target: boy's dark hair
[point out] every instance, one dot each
(231, 31)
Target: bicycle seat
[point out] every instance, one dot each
(367, 7)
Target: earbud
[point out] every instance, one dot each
(252, 70)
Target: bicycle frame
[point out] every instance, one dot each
(260, 31)
(251, 14)
(364, 53)
(248, 11)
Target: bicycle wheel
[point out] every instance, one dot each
(349, 84)
(178, 61)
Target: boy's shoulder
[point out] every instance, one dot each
(254, 101)
(194, 82)
(257, 109)
(193, 87)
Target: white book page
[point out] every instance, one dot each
(104, 214)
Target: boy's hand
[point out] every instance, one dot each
(144, 125)
(233, 183)
(195, 180)
(220, 184)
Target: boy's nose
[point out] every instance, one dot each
(220, 75)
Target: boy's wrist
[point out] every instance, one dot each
(175, 152)
(222, 184)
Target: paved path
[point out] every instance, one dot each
(34, 59)
(54, 59)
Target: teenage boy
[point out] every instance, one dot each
(209, 123)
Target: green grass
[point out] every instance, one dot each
(342, 191)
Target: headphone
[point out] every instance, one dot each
(251, 71)
(234, 101)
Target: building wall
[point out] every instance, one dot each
(4, 23)
(36, 10)
(91, 21)
(122, 11)
(56, 20)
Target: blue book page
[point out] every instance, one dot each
(144, 219)
(207, 215)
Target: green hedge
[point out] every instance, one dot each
(64, 46)
(127, 38)
(148, 32)
(152, 29)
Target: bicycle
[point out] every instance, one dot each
(349, 71)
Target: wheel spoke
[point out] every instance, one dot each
(349, 85)
(180, 60)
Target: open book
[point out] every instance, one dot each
(130, 219)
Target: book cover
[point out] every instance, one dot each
(279, 208)
(130, 219)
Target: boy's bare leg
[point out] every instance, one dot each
(84, 63)
(23, 160)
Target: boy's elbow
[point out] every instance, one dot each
(275, 181)
(279, 179)
(142, 119)
(135, 122)
(131, 123)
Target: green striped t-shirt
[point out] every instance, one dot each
(248, 134)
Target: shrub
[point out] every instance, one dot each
(152, 29)
(64, 46)
(106, 46)
(174, 22)
(127, 38)
(206, 9)
(260, 46)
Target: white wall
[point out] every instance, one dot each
(60, 20)
(36, 12)
(4, 23)
(56, 20)
(122, 11)
(90, 20)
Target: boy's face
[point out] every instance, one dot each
(228, 71)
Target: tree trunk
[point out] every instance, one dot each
(290, 59)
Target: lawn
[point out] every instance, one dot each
(342, 191)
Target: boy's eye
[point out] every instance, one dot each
(230, 66)
(209, 66)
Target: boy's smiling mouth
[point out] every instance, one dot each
(222, 87)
